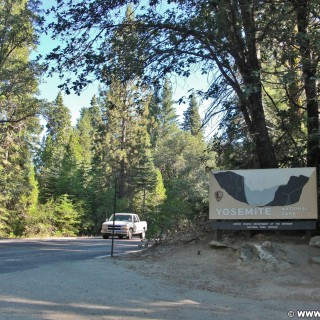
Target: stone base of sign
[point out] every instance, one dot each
(315, 242)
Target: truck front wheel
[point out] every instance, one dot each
(129, 234)
(142, 235)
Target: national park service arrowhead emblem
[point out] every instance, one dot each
(218, 195)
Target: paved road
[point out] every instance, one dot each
(21, 254)
(59, 280)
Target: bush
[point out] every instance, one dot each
(55, 218)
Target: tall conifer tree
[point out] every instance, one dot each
(168, 116)
(18, 106)
(192, 119)
(154, 115)
(53, 149)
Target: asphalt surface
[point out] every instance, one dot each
(22, 254)
(62, 279)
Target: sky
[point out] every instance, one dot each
(49, 86)
(49, 90)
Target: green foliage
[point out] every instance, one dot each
(55, 218)
(67, 216)
(260, 80)
(55, 157)
(40, 222)
(192, 119)
(19, 128)
(147, 201)
(17, 184)
(182, 160)
(233, 148)
(18, 83)
(262, 59)
(154, 115)
(77, 169)
(168, 119)
(219, 38)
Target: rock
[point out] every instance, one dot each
(315, 260)
(192, 241)
(219, 244)
(315, 242)
(267, 245)
(284, 265)
(263, 254)
(259, 237)
(246, 252)
(250, 250)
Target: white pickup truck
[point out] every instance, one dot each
(125, 225)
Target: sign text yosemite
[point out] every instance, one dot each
(263, 194)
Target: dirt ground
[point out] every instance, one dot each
(283, 270)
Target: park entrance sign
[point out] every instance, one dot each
(263, 194)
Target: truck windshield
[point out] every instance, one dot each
(122, 217)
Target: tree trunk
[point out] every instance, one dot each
(309, 77)
(264, 148)
(245, 53)
(121, 189)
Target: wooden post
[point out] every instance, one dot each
(218, 235)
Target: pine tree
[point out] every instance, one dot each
(85, 132)
(143, 181)
(53, 149)
(154, 116)
(169, 133)
(118, 111)
(19, 128)
(89, 172)
(168, 116)
(17, 187)
(100, 180)
(18, 76)
(69, 179)
(126, 142)
(67, 216)
(192, 119)
(58, 121)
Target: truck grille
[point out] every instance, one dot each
(116, 228)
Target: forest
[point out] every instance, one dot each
(129, 151)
